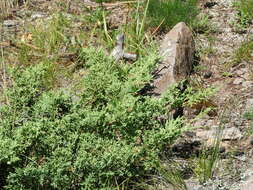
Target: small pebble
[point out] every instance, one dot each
(9, 23)
(238, 81)
(247, 84)
(251, 141)
(38, 15)
(210, 4)
(249, 103)
(222, 149)
(239, 153)
(208, 74)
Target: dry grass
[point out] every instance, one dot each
(7, 5)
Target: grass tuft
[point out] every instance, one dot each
(244, 15)
(244, 52)
(169, 13)
(7, 5)
(207, 160)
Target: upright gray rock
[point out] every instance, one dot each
(118, 51)
(177, 51)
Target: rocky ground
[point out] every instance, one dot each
(233, 98)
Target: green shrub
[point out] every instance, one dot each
(169, 12)
(110, 135)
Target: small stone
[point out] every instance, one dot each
(238, 122)
(222, 149)
(190, 134)
(228, 134)
(249, 104)
(247, 84)
(240, 72)
(213, 14)
(232, 133)
(247, 76)
(242, 158)
(210, 4)
(228, 30)
(238, 153)
(200, 123)
(209, 123)
(186, 149)
(208, 74)
(10, 23)
(192, 184)
(238, 81)
(38, 15)
(251, 141)
(247, 184)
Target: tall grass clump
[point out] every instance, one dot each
(167, 13)
(244, 52)
(245, 8)
(135, 30)
(249, 116)
(109, 137)
(46, 40)
(208, 159)
(244, 15)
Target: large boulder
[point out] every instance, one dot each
(177, 51)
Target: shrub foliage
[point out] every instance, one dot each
(109, 135)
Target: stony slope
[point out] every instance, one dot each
(235, 84)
